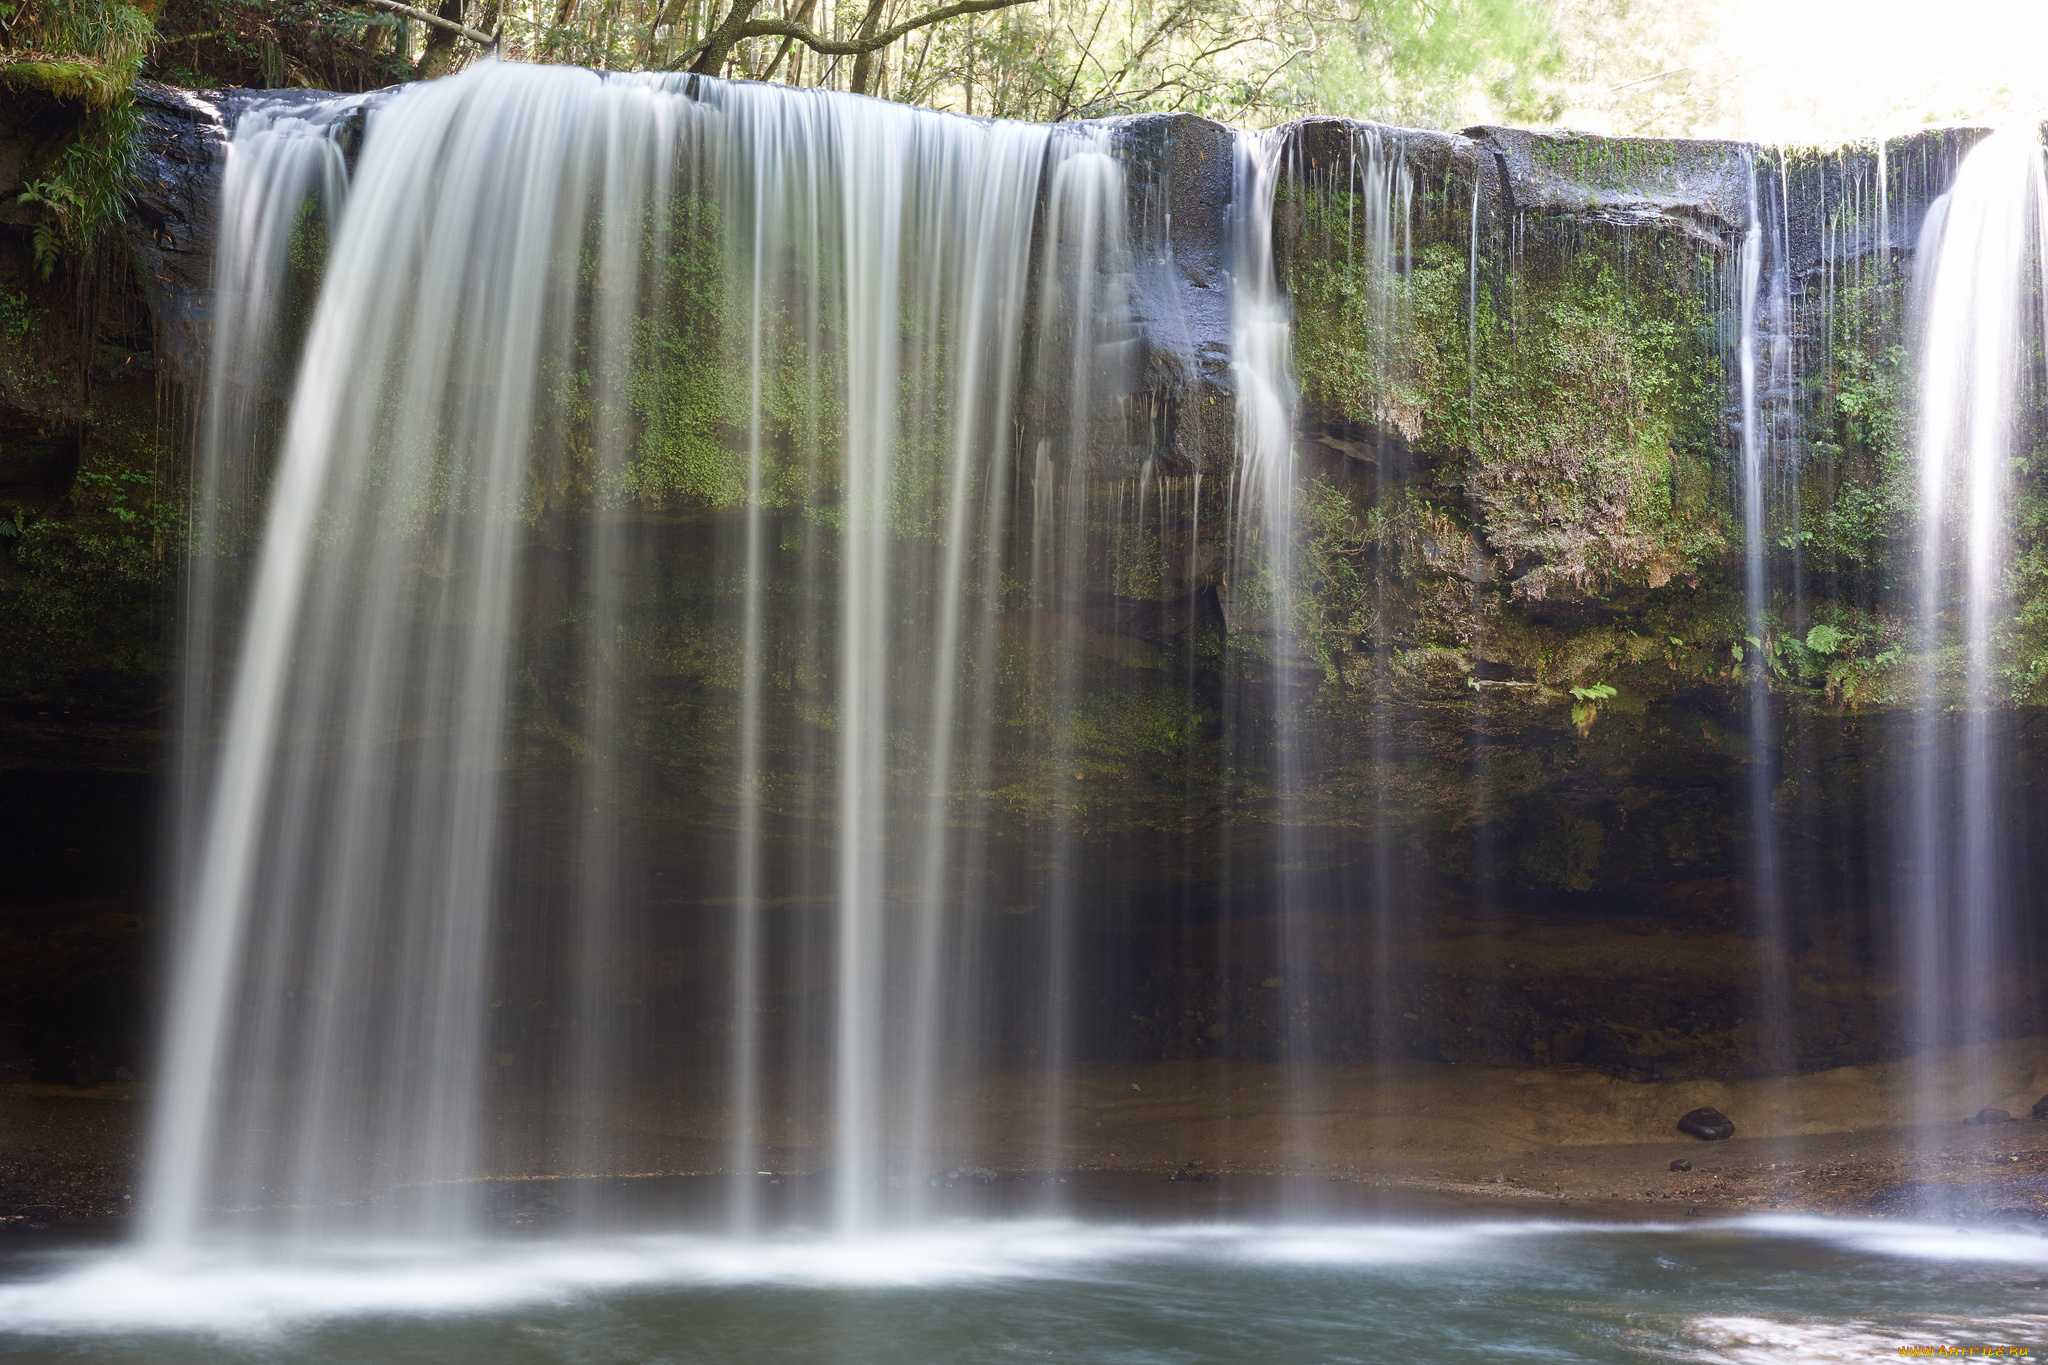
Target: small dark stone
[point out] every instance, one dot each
(1205, 1177)
(1681, 1165)
(1984, 1118)
(2041, 1107)
(1695, 1212)
(1708, 1124)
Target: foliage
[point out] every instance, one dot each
(86, 52)
(83, 189)
(1444, 62)
(1437, 63)
(320, 44)
(1246, 60)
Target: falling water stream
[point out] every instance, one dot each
(1762, 358)
(1980, 332)
(879, 261)
(929, 318)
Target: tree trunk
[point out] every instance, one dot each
(439, 54)
(863, 65)
(711, 61)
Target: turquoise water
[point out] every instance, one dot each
(1428, 1289)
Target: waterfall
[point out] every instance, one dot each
(1384, 192)
(1761, 317)
(1264, 556)
(578, 337)
(1978, 291)
(285, 167)
(703, 657)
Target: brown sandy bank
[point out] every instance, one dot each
(1849, 1141)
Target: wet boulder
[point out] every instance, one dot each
(1708, 1124)
(1987, 1116)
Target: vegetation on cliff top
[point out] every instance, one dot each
(87, 54)
(1431, 62)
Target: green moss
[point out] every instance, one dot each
(1137, 722)
(85, 53)
(690, 387)
(1639, 165)
(81, 51)
(1593, 409)
(1582, 443)
(79, 81)
(1138, 568)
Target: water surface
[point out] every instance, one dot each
(1440, 1290)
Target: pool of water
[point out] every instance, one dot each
(1430, 1289)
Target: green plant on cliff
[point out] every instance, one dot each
(24, 366)
(1586, 705)
(272, 44)
(83, 189)
(85, 53)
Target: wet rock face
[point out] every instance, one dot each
(174, 220)
(1685, 186)
(1180, 171)
(1511, 339)
(174, 217)
(1515, 455)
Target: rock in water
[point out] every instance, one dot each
(1985, 1117)
(1682, 1164)
(2041, 1107)
(1708, 1124)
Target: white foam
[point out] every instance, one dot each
(251, 1288)
(245, 1289)
(1919, 1241)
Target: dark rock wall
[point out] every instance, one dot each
(1525, 732)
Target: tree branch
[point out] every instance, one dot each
(854, 47)
(783, 51)
(708, 57)
(477, 36)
